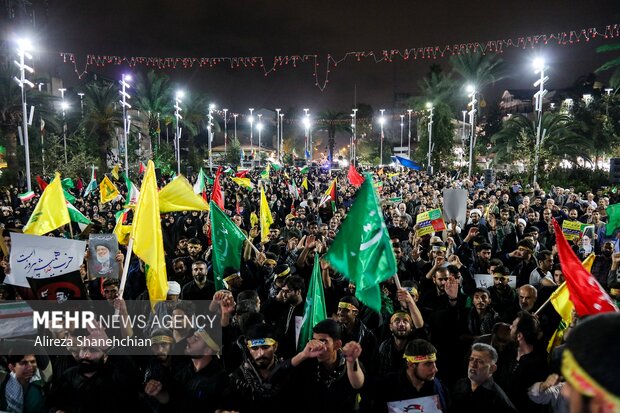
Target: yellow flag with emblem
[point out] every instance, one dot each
(107, 190)
(265, 217)
(115, 171)
(51, 210)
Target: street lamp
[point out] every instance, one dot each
(463, 137)
(225, 129)
(251, 120)
(402, 128)
(259, 126)
(430, 108)
(409, 134)
(278, 132)
(235, 121)
(472, 118)
(64, 106)
(81, 95)
(23, 46)
(381, 122)
(308, 145)
(177, 132)
(210, 133)
(125, 106)
(539, 67)
(281, 134)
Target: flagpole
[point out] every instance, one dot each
(121, 287)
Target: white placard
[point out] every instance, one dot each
(455, 205)
(428, 404)
(34, 256)
(486, 280)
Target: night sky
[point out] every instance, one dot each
(264, 28)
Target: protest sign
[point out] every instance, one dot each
(429, 222)
(102, 249)
(60, 288)
(34, 256)
(428, 404)
(455, 205)
(572, 229)
(486, 280)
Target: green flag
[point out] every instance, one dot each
(68, 196)
(67, 183)
(362, 250)
(275, 166)
(76, 215)
(227, 240)
(314, 311)
(613, 213)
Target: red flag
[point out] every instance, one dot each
(41, 182)
(142, 168)
(354, 177)
(216, 195)
(585, 292)
(242, 174)
(79, 185)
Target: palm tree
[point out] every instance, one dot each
(334, 122)
(101, 116)
(563, 140)
(154, 99)
(613, 64)
(479, 69)
(436, 87)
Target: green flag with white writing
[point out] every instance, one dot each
(227, 240)
(314, 311)
(362, 250)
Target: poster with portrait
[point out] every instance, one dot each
(428, 404)
(60, 288)
(102, 249)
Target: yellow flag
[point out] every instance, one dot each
(380, 172)
(179, 195)
(148, 242)
(123, 232)
(107, 190)
(51, 210)
(587, 263)
(265, 217)
(253, 219)
(243, 182)
(390, 176)
(115, 171)
(304, 183)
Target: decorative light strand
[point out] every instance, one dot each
(429, 52)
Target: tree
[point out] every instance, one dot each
(601, 125)
(443, 137)
(101, 116)
(613, 64)
(334, 122)
(154, 101)
(563, 140)
(233, 152)
(479, 69)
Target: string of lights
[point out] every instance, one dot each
(496, 46)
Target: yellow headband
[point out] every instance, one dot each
(208, 340)
(348, 306)
(162, 339)
(284, 273)
(584, 384)
(261, 342)
(400, 314)
(420, 359)
(614, 291)
(269, 261)
(232, 276)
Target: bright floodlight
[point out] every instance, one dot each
(64, 106)
(539, 63)
(251, 119)
(470, 89)
(212, 106)
(180, 94)
(25, 45)
(382, 120)
(306, 122)
(429, 105)
(259, 126)
(127, 78)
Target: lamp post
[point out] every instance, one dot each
(472, 118)
(409, 134)
(251, 120)
(64, 106)
(210, 133)
(81, 95)
(278, 133)
(402, 128)
(430, 108)
(281, 134)
(260, 121)
(125, 106)
(539, 66)
(225, 129)
(463, 137)
(22, 52)
(354, 143)
(306, 123)
(177, 133)
(381, 122)
(235, 120)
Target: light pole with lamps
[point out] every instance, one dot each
(409, 134)
(22, 51)
(81, 95)
(278, 132)
(430, 108)
(539, 66)
(210, 133)
(354, 143)
(306, 122)
(177, 133)
(259, 126)
(64, 106)
(225, 129)
(251, 120)
(281, 134)
(235, 121)
(472, 118)
(124, 95)
(381, 122)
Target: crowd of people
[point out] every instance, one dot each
(441, 342)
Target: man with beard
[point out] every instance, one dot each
(180, 272)
(281, 311)
(527, 297)
(99, 383)
(402, 324)
(481, 317)
(602, 264)
(414, 381)
(354, 329)
(474, 222)
(482, 259)
(103, 266)
(258, 384)
(158, 372)
(200, 288)
(504, 299)
(522, 261)
(200, 383)
(478, 392)
(194, 248)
